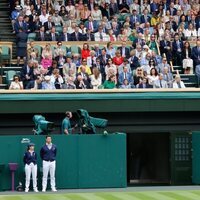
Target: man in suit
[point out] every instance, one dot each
(138, 28)
(65, 36)
(104, 57)
(20, 24)
(32, 49)
(172, 9)
(196, 53)
(153, 6)
(125, 75)
(134, 18)
(37, 5)
(113, 8)
(165, 48)
(125, 52)
(41, 35)
(160, 83)
(168, 77)
(115, 28)
(81, 83)
(35, 84)
(49, 24)
(88, 36)
(27, 74)
(60, 59)
(76, 35)
(91, 25)
(97, 50)
(145, 17)
(52, 36)
(100, 35)
(177, 50)
(195, 21)
(139, 41)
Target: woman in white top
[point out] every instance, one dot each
(177, 5)
(110, 49)
(167, 16)
(190, 31)
(135, 6)
(153, 76)
(110, 69)
(96, 78)
(16, 84)
(56, 79)
(145, 5)
(96, 14)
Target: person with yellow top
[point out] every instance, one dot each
(85, 67)
(155, 20)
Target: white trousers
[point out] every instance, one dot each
(31, 169)
(48, 167)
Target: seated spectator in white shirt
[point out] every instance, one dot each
(178, 83)
(100, 35)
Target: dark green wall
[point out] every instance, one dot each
(101, 102)
(83, 161)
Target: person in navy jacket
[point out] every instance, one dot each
(48, 155)
(30, 162)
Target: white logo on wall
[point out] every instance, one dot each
(25, 140)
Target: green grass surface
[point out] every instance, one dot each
(146, 195)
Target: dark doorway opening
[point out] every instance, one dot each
(148, 158)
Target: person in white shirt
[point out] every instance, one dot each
(96, 78)
(190, 31)
(44, 16)
(57, 79)
(16, 84)
(178, 83)
(100, 35)
(96, 14)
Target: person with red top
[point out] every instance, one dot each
(118, 59)
(85, 52)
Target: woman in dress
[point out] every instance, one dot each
(96, 78)
(187, 61)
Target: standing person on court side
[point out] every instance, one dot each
(48, 155)
(30, 161)
(66, 124)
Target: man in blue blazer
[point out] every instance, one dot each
(134, 18)
(125, 75)
(91, 24)
(64, 35)
(20, 24)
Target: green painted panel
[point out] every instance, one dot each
(108, 162)
(83, 161)
(196, 157)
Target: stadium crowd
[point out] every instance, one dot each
(161, 33)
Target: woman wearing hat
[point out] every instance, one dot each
(30, 161)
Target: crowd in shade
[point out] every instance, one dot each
(154, 37)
